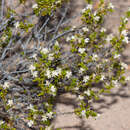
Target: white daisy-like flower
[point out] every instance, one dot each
(48, 73)
(10, 102)
(73, 28)
(6, 85)
(110, 6)
(81, 50)
(124, 32)
(68, 74)
(103, 30)
(96, 18)
(85, 29)
(44, 118)
(87, 92)
(80, 97)
(1, 122)
(32, 68)
(86, 78)
(16, 24)
(53, 89)
(45, 50)
(51, 57)
(35, 6)
(126, 40)
(109, 37)
(86, 40)
(89, 6)
(50, 115)
(81, 70)
(35, 74)
(30, 123)
(116, 56)
(83, 112)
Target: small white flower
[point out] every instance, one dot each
(124, 32)
(54, 73)
(35, 74)
(81, 50)
(30, 107)
(109, 37)
(50, 115)
(35, 6)
(116, 56)
(10, 102)
(85, 29)
(45, 50)
(79, 40)
(16, 24)
(58, 70)
(83, 10)
(102, 77)
(86, 78)
(6, 85)
(47, 83)
(81, 70)
(126, 40)
(56, 43)
(73, 37)
(87, 92)
(96, 18)
(83, 113)
(94, 57)
(124, 66)
(1, 122)
(98, 115)
(68, 74)
(44, 118)
(80, 97)
(86, 40)
(51, 57)
(68, 39)
(89, 6)
(48, 73)
(34, 56)
(73, 28)
(53, 89)
(103, 30)
(115, 83)
(125, 20)
(30, 123)
(32, 68)
(110, 6)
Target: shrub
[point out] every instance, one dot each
(92, 65)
